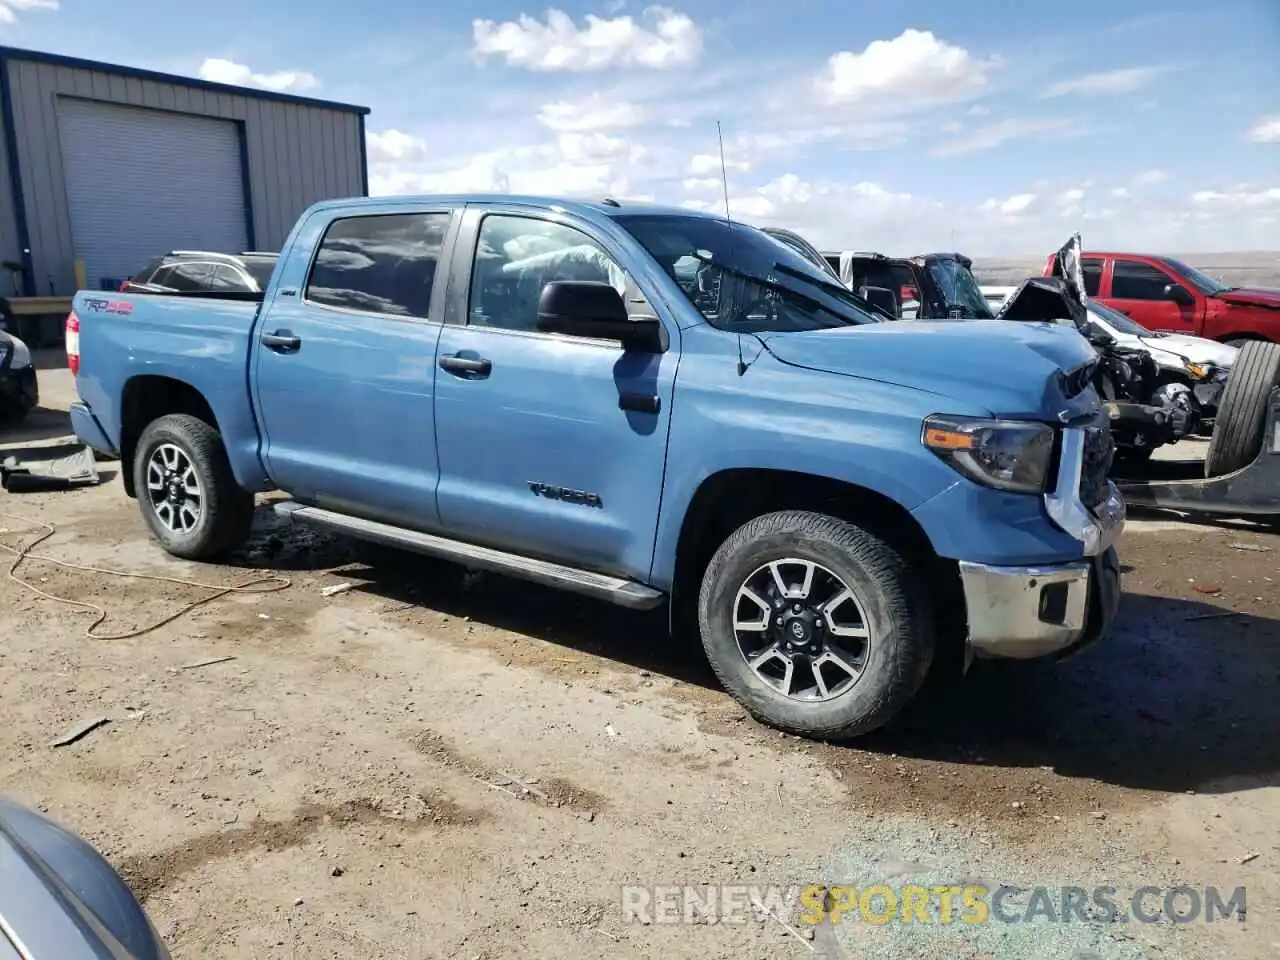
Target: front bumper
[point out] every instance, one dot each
(1051, 610)
(1025, 613)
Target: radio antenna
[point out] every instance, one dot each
(724, 180)
(724, 172)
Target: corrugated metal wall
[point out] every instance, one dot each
(295, 155)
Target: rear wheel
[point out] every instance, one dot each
(816, 626)
(1242, 411)
(186, 490)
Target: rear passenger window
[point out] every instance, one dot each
(1092, 276)
(379, 264)
(1131, 280)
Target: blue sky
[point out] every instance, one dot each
(998, 127)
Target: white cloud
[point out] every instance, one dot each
(572, 165)
(1014, 206)
(1149, 178)
(216, 70)
(1240, 199)
(597, 148)
(1112, 81)
(1120, 192)
(703, 164)
(394, 147)
(595, 112)
(831, 214)
(913, 68)
(1070, 202)
(9, 9)
(994, 134)
(670, 39)
(1266, 130)
(701, 184)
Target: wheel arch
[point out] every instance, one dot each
(146, 398)
(730, 497)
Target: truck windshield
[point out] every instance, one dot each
(741, 279)
(1200, 280)
(957, 286)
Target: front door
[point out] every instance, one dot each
(550, 445)
(344, 366)
(1137, 289)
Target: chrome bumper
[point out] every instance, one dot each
(1023, 613)
(1028, 612)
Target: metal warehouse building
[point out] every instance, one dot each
(107, 166)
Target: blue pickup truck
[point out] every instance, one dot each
(642, 404)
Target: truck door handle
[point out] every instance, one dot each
(281, 340)
(471, 367)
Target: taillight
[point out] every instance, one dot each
(123, 286)
(73, 343)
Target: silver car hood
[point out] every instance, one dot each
(61, 900)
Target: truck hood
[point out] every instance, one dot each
(1251, 297)
(1009, 369)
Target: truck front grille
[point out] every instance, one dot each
(1099, 449)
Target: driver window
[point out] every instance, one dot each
(517, 256)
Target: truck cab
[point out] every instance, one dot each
(640, 404)
(1166, 295)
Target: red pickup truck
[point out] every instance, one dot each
(1164, 294)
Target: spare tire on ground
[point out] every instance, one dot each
(1242, 412)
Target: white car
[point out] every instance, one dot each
(1172, 352)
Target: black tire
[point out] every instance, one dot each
(225, 513)
(890, 592)
(1242, 411)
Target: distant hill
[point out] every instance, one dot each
(1250, 268)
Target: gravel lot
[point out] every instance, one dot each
(350, 783)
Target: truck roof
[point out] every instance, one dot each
(607, 206)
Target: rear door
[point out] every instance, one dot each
(344, 370)
(550, 445)
(1138, 290)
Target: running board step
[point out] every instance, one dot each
(624, 593)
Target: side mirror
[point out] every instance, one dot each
(884, 300)
(583, 308)
(1178, 294)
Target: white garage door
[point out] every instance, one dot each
(143, 182)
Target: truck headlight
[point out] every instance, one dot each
(1012, 455)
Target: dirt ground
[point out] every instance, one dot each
(435, 764)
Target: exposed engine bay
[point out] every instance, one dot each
(1147, 411)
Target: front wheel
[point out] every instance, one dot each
(186, 490)
(816, 626)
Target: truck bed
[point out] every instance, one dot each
(144, 341)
